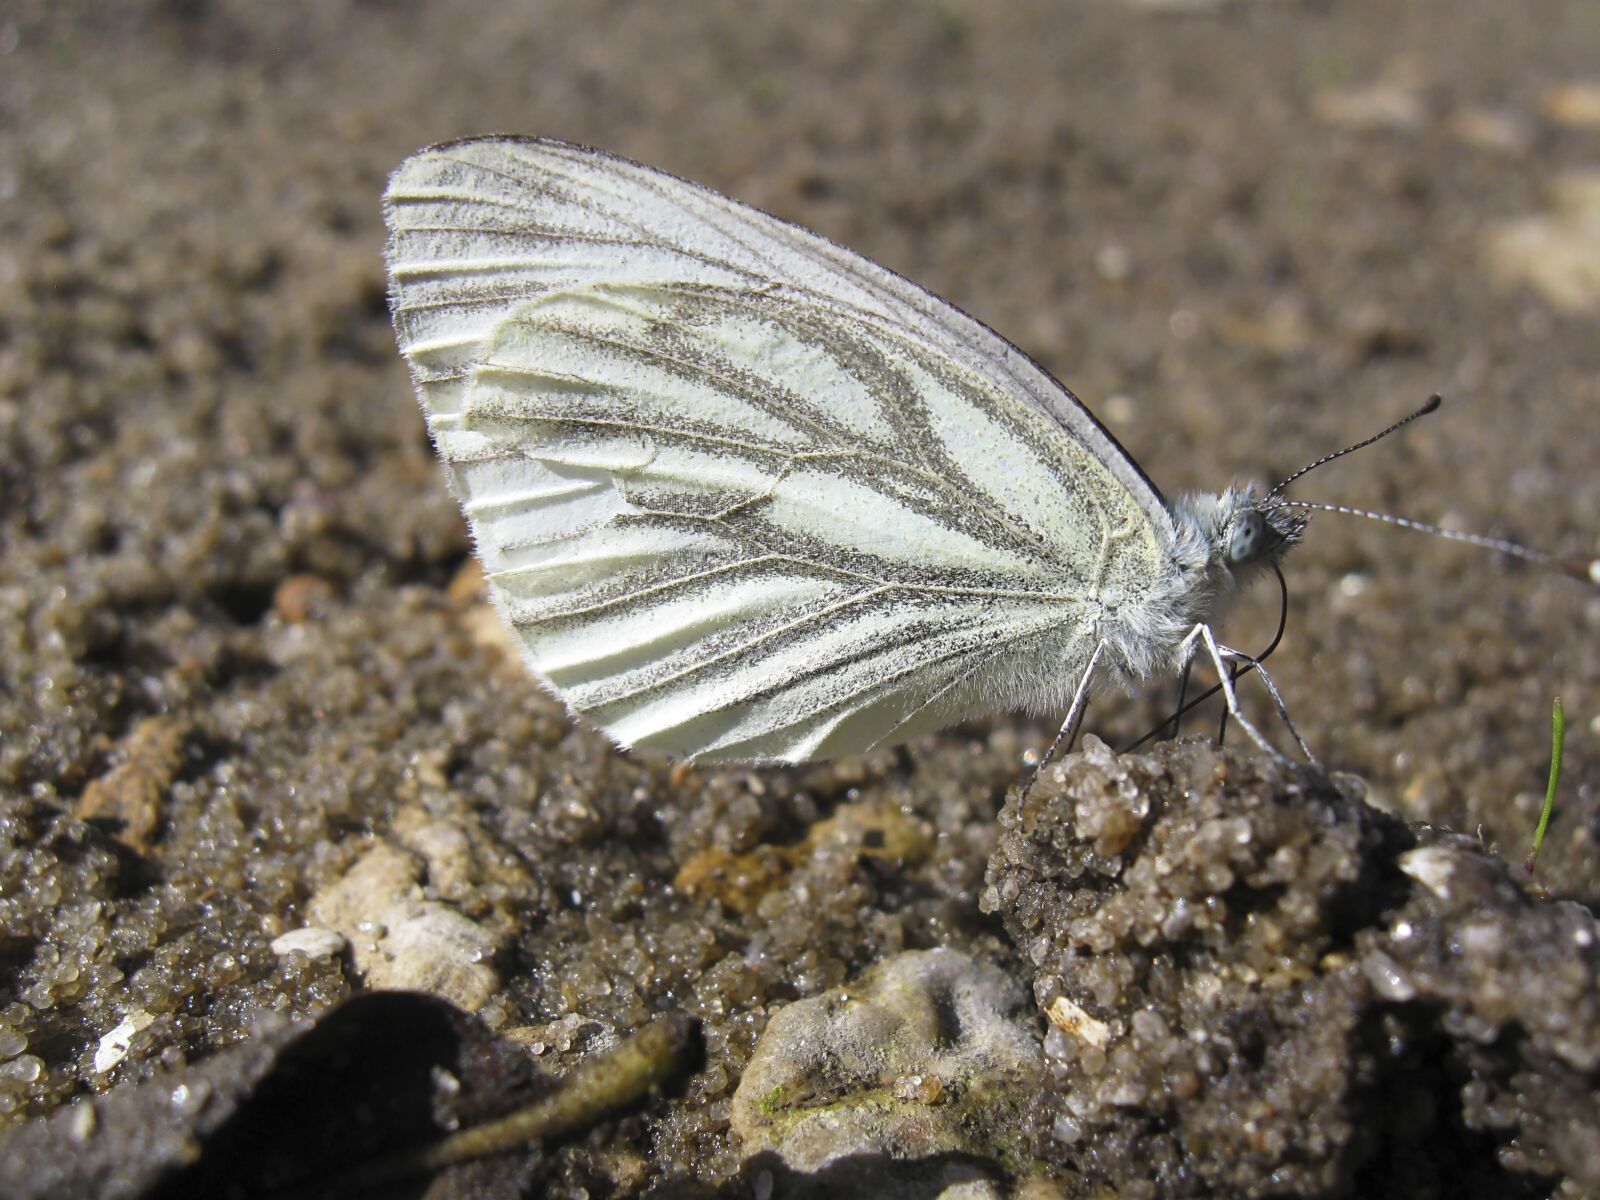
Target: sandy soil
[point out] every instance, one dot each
(237, 646)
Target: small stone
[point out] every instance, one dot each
(23, 1070)
(1387, 106)
(1113, 262)
(399, 940)
(113, 1047)
(1431, 866)
(1556, 252)
(447, 851)
(132, 793)
(1491, 129)
(1073, 1019)
(923, 1089)
(926, 1054)
(489, 632)
(1574, 104)
(299, 598)
(381, 878)
(468, 585)
(1121, 409)
(311, 940)
(83, 1121)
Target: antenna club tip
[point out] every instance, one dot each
(1585, 569)
(1434, 401)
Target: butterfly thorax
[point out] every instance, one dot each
(1221, 542)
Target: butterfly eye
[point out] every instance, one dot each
(1248, 538)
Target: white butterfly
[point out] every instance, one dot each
(745, 495)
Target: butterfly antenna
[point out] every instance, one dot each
(1585, 569)
(1431, 406)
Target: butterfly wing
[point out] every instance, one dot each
(742, 494)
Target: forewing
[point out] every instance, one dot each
(481, 222)
(736, 494)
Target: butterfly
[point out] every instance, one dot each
(744, 495)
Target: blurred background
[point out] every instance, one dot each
(1245, 234)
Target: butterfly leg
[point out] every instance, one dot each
(1220, 656)
(1277, 699)
(1222, 722)
(1175, 724)
(1069, 727)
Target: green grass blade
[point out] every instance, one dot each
(1558, 736)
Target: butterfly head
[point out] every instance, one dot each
(1223, 540)
(1234, 534)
